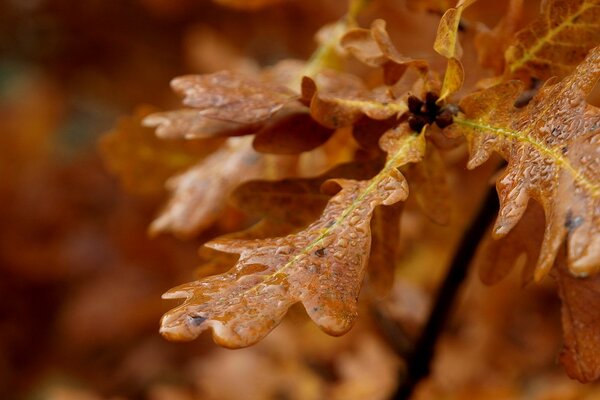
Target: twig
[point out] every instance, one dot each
(419, 360)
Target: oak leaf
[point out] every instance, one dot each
(374, 48)
(429, 186)
(263, 106)
(199, 193)
(519, 248)
(385, 232)
(322, 266)
(292, 132)
(551, 146)
(191, 124)
(447, 44)
(338, 100)
(233, 97)
(555, 43)
(285, 206)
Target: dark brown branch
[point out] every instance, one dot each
(419, 360)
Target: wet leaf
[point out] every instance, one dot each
(555, 43)
(448, 45)
(231, 97)
(322, 266)
(429, 185)
(385, 249)
(520, 247)
(339, 100)
(285, 206)
(293, 199)
(551, 146)
(198, 194)
(191, 124)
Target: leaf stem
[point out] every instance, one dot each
(419, 360)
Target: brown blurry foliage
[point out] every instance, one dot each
(334, 185)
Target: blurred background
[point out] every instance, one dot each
(80, 280)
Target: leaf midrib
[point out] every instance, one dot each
(522, 137)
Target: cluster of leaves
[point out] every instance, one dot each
(362, 135)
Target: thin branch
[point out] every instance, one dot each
(419, 360)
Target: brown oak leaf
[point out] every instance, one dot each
(285, 206)
(447, 44)
(322, 266)
(374, 48)
(496, 258)
(228, 96)
(338, 100)
(198, 194)
(292, 132)
(280, 124)
(555, 43)
(191, 124)
(552, 149)
(430, 187)
(385, 231)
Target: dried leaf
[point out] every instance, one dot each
(229, 96)
(453, 78)
(428, 183)
(581, 322)
(322, 266)
(496, 258)
(293, 203)
(367, 131)
(292, 132)
(375, 48)
(191, 124)
(448, 45)
(446, 41)
(555, 43)
(227, 103)
(551, 146)
(292, 200)
(385, 232)
(143, 162)
(198, 194)
(285, 206)
(340, 100)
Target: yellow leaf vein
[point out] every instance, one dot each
(592, 187)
